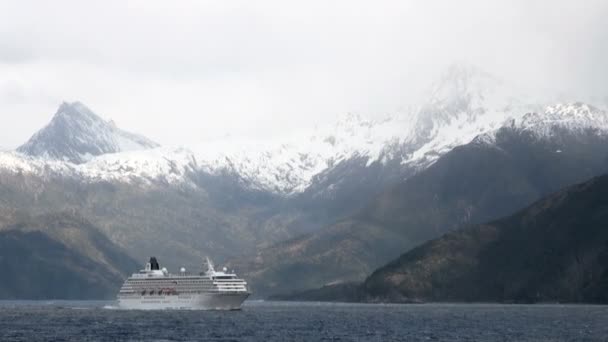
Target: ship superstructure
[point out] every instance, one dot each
(155, 288)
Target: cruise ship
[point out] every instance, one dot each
(155, 288)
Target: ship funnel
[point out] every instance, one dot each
(154, 264)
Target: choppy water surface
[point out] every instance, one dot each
(267, 321)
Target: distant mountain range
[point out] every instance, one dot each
(324, 206)
(555, 250)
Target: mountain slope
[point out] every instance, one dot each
(554, 250)
(179, 225)
(76, 134)
(493, 176)
(59, 256)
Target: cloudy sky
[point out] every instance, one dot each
(190, 71)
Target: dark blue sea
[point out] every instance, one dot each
(272, 321)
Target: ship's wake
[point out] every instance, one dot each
(110, 307)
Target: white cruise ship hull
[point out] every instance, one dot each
(204, 301)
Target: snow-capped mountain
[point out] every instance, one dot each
(231, 196)
(76, 134)
(463, 104)
(78, 143)
(497, 174)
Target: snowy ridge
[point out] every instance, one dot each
(279, 170)
(355, 136)
(282, 167)
(576, 118)
(15, 162)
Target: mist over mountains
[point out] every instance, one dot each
(325, 206)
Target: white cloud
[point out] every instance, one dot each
(193, 70)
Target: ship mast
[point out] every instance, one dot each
(210, 269)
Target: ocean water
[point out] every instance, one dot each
(275, 321)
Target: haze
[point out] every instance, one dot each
(201, 70)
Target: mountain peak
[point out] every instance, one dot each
(75, 112)
(460, 80)
(76, 134)
(464, 102)
(75, 109)
(464, 89)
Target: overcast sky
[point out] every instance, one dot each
(189, 71)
